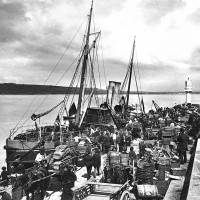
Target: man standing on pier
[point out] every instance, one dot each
(88, 162)
(68, 179)
(183, 140)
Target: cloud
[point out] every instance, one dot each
(195, 59)
(195, 16)
(8, 79)
(34, 34)
(154, 10)
(11, 15)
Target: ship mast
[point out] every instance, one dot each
(84, 66)
(130, 76)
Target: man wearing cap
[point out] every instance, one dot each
(4, 176)
(40, 156)
(183, 140)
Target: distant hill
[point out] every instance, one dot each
(28, 89)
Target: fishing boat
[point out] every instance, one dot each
(118, 103)
(24, 142)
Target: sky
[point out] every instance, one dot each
(35, 34)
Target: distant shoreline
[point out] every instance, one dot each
(28, 89)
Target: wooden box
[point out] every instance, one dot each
(178, 171)
(166, 140)
(164, 161)
(175, 164)
(167, 133)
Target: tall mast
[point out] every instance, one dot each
(84, 66)
(130, 76)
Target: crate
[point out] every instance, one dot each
(175, 165)
(167, 134)
(166, 140)
(178, 171)
(161, 185)
(164, 161)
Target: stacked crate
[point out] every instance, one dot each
(166, 162)
(178, 171)
(167, 135)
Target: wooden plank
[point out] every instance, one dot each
(107, 190)
(104, 184)
(97, 197)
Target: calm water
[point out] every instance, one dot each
(14, 107)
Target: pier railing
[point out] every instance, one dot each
(31, 132)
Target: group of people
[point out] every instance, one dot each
(92, 160)
(119, 139)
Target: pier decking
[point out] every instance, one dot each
(194, 186)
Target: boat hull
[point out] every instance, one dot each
(18, 148)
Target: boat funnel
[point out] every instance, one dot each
(113, 93)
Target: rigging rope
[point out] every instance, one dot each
(142, 101)
(138, 71)
(47, 79)
(126, 76)
(98, 68)
(66, 98)
(103, 65)
(68, 92)
(137, 87)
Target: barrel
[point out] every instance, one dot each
(144, 191)
(161, 172)
(114, 157)
(124, 158)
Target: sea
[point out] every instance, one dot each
(15, 110)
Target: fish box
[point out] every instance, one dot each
(166, 140)
(167, 134)
(175, 165)
(178, 171)
(164, 161)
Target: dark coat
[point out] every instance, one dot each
(101, 139)
(108, 142)
(88, 160)
(183, 141)
(97, 160)
(69, 177)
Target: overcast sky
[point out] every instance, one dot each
(35, 33)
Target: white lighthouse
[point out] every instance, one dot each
(188, 91)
